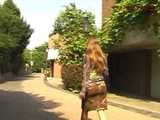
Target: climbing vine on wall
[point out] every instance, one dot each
(127, 15)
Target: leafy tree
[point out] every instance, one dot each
(9, 5)
(6, 41)
(70, 25)
(27, 56)
(39, 57)
(14, 35)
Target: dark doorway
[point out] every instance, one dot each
(130, 72)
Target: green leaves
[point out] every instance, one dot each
(70, 25)
(127, 14)
(10, 6)
(14, 35)
(39, 57)
(6, 41)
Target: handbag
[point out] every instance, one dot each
(96, 87)
(96, 95)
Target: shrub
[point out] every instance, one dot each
(72, 76)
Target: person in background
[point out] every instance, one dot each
(95, 69)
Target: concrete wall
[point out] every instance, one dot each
(155, 79)
(56, 68)
(133, 68)
(138, 40)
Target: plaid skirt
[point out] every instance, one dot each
(95, 96)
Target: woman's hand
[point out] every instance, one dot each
(82, 95)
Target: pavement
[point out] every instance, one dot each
(145, 106)
(32, 98)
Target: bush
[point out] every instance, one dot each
(72, 74)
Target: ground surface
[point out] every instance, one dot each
(32, 98)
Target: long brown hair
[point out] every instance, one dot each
(95, 55)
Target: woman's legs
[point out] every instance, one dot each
(84, 114)
(101, 114)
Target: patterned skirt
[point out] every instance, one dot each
(95, 96)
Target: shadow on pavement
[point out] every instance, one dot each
(24, 106)
(24, 77)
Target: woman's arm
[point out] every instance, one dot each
(106, 73)
(86, 71)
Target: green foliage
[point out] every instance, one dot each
(70, 25)
(39, 57)
(72, 76)
(27, 56)
(10, 6)
(128, 15)
(14, 35)
(6, 41)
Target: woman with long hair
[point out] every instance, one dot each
(93, 91)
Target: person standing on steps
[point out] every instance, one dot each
(94, 90)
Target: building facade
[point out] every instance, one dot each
(134, 65)
(55, 68)
(107, 8)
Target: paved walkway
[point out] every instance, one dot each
(148, 106)
(33, 99)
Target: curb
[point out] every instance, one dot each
(132, 108)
